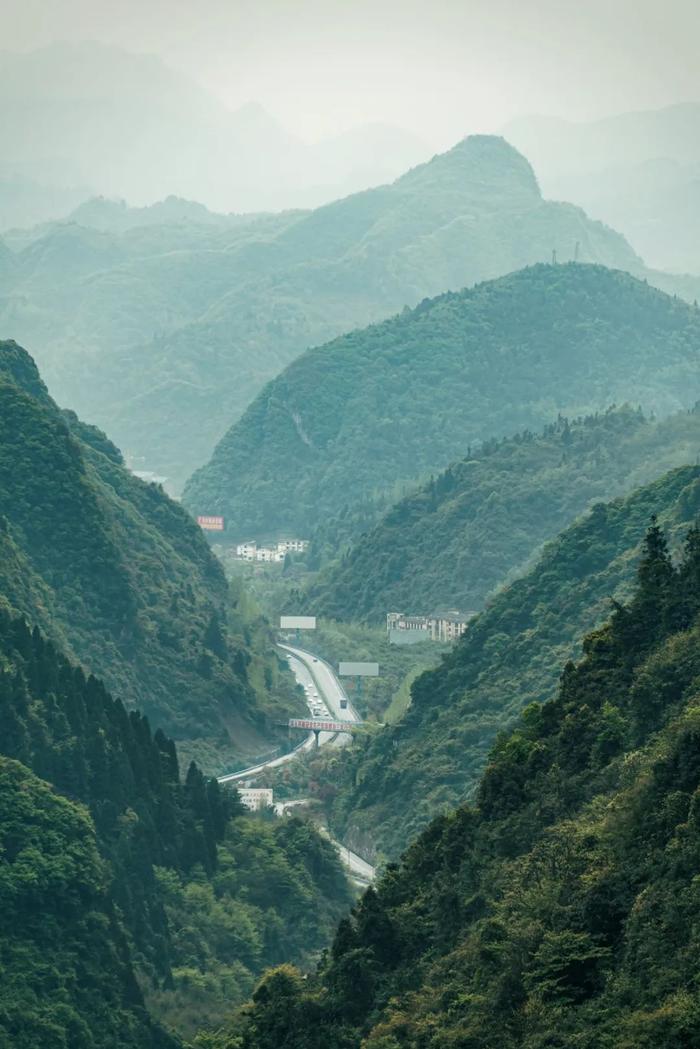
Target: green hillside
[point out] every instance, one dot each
(144, 886)
(561, 908)
(401, 399)
(66, 980)
(123, 580)
(452, 542)
(381, 793)
(163, 332)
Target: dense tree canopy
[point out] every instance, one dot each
(196, 897)
(162, 327)
(121, 577)
(456, 539)
(67, 979)
(559, 909)
(405, 398)
(381, 793)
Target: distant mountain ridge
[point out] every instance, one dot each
(556, 145)
(112, 122)
(116, 216)
(185, 322)
(406, 397)
(640, 172)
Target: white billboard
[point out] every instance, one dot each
(358, 669)
(297, 622)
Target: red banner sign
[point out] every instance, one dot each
(316, 725)
(211, 523)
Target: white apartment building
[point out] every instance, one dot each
(250, 551)
(268, 553)
(293, 546)
(448, 626)
(247, 551)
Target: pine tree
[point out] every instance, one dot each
(652, 604)
(213, 636)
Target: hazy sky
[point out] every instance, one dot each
(439, 67)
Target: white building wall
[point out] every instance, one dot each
(246, 551)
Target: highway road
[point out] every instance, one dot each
(312, 670)
(328, 686)
(308, 670)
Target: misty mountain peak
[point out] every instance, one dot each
(101, 213)
(486, 164)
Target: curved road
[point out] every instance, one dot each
(361, 871)
(328, 686)
(310, 669)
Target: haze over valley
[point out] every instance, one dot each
(349, 525)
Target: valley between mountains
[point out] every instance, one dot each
(349, 579)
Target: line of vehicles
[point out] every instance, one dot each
(316, 705)
(314, 702)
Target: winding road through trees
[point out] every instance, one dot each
(312, 670)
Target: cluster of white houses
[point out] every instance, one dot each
(442, 626)
(250, 551)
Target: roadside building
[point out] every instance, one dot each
(406, 630)
(447, 626)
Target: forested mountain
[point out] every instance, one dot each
(116, 216)
(382, 792)
(458, 537)
(67, 980)
(123, 580)
(403, 398)
(140, 888)
(560, 908)
(163, 334)
(638, 171)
